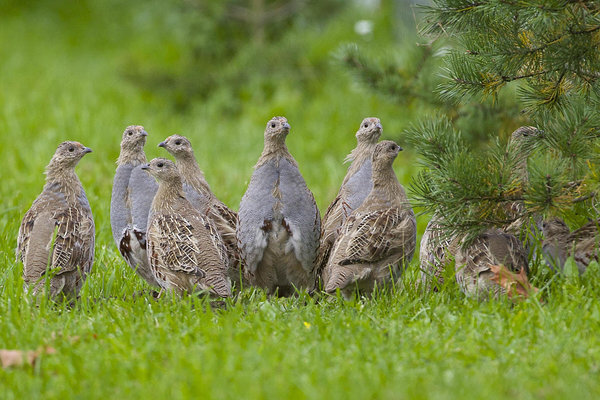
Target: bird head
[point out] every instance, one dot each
(68, 154)
(554, 227)
(277, 128)
(386, 152)
(162, 170)
(178, 146)
(134, 137)
(369, 131)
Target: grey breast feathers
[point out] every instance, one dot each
(256, 213)
(300, 213)
(120, 208)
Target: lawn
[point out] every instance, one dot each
(117, 341)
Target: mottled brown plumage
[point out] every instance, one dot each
(435, 254)
(378, 239)
(560, 243)
(223, 217)
(438, 250)
(185, 251)
(354, 189)
(473, 263)
(56, 237)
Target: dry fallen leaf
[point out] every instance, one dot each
(517, 285)
(17, 358)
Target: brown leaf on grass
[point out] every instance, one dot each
(517, 286)
(18, 358)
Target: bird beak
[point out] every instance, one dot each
(286, 126)
(145, 167)
(162, 144)
(87, 150)
(144, 133)
(400, 148)
(378, 126)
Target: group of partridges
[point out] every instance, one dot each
(173, 231)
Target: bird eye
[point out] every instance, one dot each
(365, 125)
(178, 142)
(129, 133)
(160, 165)
(71, 149)
(272, 124)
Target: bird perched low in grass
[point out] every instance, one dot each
(435, 253)
(279, 222)
(475, 263)
(559, 243)
(185, 251)
(378, 239)
(437, 249)
(56, 237)
(198, 192)
(132, 194)
(355, 187)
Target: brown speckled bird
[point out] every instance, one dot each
(185, 251)
(560, 243)
(436, 252)
(438, 249)
(56, 237)
(355, 187)
(473, 263)
(198, 192)
(378, 239)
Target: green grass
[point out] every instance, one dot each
(115, 343)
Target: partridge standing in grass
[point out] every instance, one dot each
(279, 222)
(357, 184)
(475, 263)
(560, 243)
(132, 194)
(56, 237)
(198, 192)
(378, 239)
(185, 251)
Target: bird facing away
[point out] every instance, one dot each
(435, 253)
(356, 185)
(560, 243)
(198, 192)
(279, 222)
(378, 239)
(185, 251)
(132, 194)
(437, 249)
(474, 262)
(56, 237)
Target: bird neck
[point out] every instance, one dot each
(363, 151)
(274, 148)
(135, 156)
(193, 175)
(385, 181)
(168, 193)
(360, 155)
(63, 179)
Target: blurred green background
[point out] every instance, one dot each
(213, 71)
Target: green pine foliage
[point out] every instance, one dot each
(546, 54)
